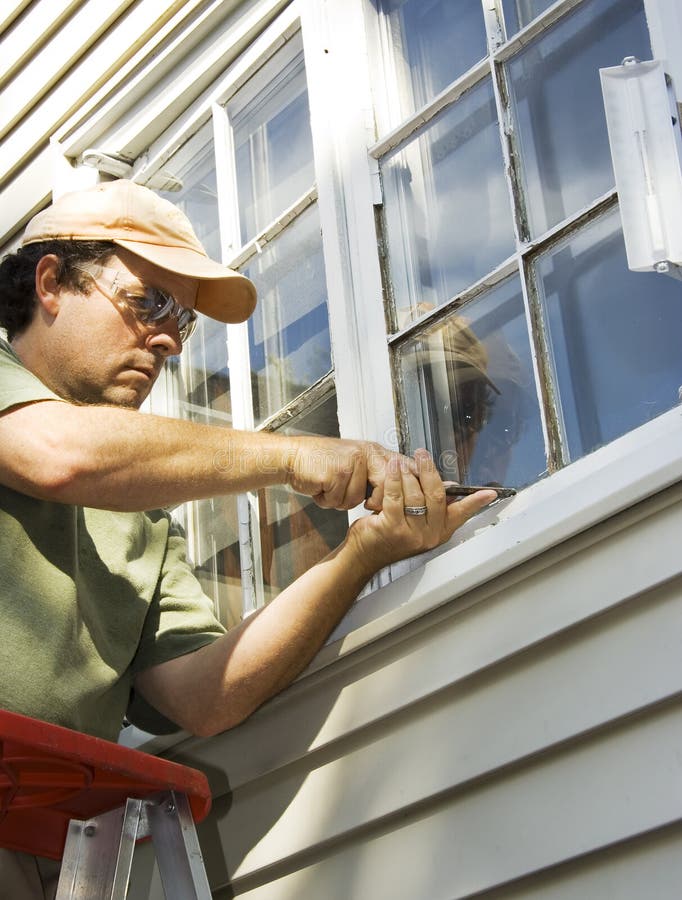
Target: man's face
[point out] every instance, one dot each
(106, 353)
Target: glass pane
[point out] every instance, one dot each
(560, 123)
(289, 331)
(295, 533)
(215, 554)
(270, 119)
(214, 534)
(518, 13)
(615, 336)
(446, 206)
(206, 373)
(205, 395)
(470, 396)
(432, 43)
(191, 184)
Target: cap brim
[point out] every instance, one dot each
(223, 294)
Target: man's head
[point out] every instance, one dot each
(105, 287)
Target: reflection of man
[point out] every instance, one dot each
(480, 417)
(492, 456)
(101, 614)
(472, 392)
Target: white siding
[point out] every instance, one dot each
(529, 739)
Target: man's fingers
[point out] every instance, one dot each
(461, 510)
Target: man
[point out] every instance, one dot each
(102, 616)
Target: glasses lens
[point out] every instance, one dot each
(154, 305)
(187, 322)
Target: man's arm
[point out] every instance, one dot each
(120, 459)
(219, 685)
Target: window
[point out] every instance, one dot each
(252, 190)
(513, 321)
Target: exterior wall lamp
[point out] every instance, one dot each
(646, 150)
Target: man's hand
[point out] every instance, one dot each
(392, 534)
(336, 472)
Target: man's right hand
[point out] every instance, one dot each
(335, 472)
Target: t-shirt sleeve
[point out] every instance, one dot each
(17, 384)
(180, 620)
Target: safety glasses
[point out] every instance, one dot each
(149, 305)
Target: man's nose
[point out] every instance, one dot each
(165, 339)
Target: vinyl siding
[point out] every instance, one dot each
(523, 741)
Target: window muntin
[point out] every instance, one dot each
(289, 343)
(447, 211)
(432, 42)
(614, 334)
(559, 119)
(469, 392)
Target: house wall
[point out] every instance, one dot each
(514, 733)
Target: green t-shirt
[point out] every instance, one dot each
(88, 598)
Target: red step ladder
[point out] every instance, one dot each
(86, 801)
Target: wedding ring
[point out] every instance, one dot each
(415, 510)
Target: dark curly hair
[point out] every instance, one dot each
(18, 272)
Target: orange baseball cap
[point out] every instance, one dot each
(134, 217)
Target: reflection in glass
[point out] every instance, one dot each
(560, 123)
(446, 206)
(273, 141)
(433, 42)
(615, 336)
(469, 392)
(215, 554)
(289, 331)
(207, 379)
(192, 186)
(518, 13)
(295, 532)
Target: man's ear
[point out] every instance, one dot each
(47, 286)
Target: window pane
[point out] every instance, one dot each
(289, 331)
(215, 554)
(470, 395)
(191, 185)
(557, 99)
(432, 43)
(446, 206)
(206, 372)
(518, 13)
(295, 532)
(273, 141)
(615, 336)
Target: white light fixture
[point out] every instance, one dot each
(646, 149)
